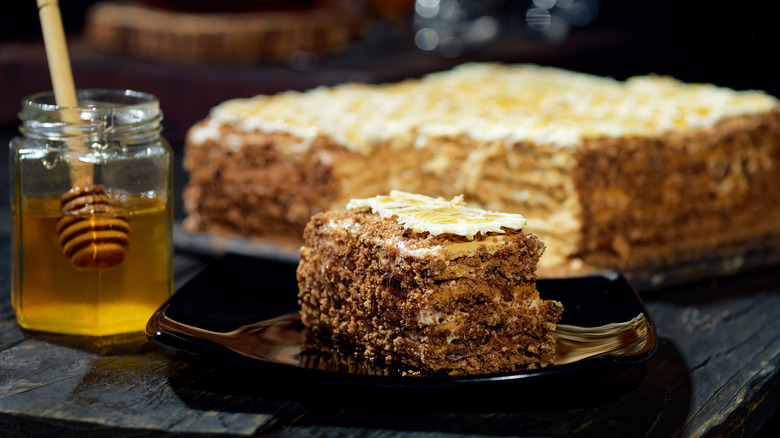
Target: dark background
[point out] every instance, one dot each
(728, 43)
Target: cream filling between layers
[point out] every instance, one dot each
(449, 253)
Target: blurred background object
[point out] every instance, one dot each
(224, 32)
(392, 10)
(450, 27)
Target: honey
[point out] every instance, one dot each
(54, 296)
(92, 239)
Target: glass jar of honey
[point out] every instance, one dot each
(92, 246)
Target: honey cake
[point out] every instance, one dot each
(623, 175)
(433, 284)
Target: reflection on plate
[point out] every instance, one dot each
(243, 311)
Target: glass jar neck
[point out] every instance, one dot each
(103, 116)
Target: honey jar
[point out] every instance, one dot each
(91, 200)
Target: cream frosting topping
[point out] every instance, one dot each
(488, 102)
(438, 216)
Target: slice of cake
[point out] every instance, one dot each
(434, 284)
(635, 175)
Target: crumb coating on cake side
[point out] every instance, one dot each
(443, 303)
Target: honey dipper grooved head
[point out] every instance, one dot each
(93, 233)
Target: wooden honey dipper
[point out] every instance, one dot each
(93, 234)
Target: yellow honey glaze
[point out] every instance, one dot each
(437, 215)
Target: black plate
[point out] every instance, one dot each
(242, 311)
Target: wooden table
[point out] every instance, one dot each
(715, 373)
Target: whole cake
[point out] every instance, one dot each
(434, 284)
(626, 175)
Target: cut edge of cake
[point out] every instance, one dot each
(412, 280)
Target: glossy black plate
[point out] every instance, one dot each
(242, 311)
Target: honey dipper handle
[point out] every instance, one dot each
(57, 53)
(62, 80)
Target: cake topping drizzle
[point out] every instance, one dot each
(439, 216)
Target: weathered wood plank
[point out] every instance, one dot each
(121, 382)
(731, 340)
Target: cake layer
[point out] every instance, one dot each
(620, 175)
(439, 303)
(678, 197)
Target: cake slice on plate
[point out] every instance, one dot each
(428, 282)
